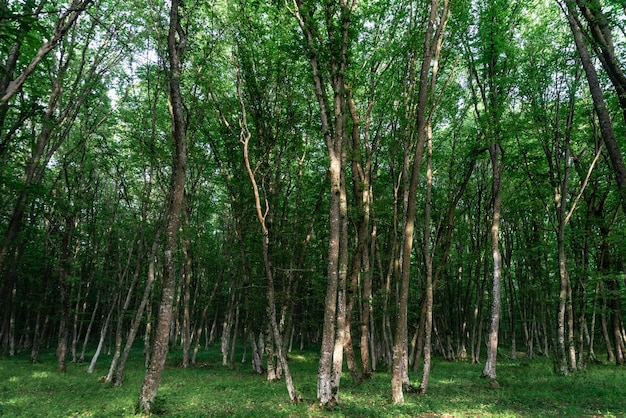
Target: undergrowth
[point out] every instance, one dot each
(527, 388)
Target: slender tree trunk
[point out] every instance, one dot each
(122, 313)
(610, 354)
(492, 346)
(186, 327)
(399, 374)
(604, 118)
(562, 324)
(134, 326)
(64, 272)
(428, 298)
(176, 43)
(340, 335)
(360, 182)
(334, 135)
(103, 334)
(75, 330)
(600, 31)
(89, 327)
(269, 276)
(65, 22)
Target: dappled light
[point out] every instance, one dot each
(384, 208)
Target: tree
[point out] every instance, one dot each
(432, 47)
(604, 117)
(66, 20)
(491, 71)
(176, 42)
(337, 17)
(271, 292)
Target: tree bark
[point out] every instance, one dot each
(492, 346)
(604, 118)
(103, 334)
(64, 272)
(600, 31)
(428, 298)
(187, 271)
(399, 371)
(334, 136)
(176, 43)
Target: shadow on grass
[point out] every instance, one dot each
(528, 389)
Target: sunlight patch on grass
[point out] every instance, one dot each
(450, 381)
(40, 375)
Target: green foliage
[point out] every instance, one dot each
(106, 169)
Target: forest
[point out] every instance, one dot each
(382, 181)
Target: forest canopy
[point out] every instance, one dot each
(383, 180)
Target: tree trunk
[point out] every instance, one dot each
(600, 31)
(103, 334)
(269, 276)
(186, 327)
(492, 346)
(428, 298)
(399, 374)
(122, 312)
(64, 272)
(334, 136)
(340, 335)
(604, 118)
(134, 326)
(176, 44)
(65, 22)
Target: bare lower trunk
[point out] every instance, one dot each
(492, 346)
(89, 327)
(103, 334)
(120, 320)
(342, 315)
(610, 354)
(186, 326)
(428, 300)
(134, 326)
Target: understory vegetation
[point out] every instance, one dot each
(381, 182)
(528, 388)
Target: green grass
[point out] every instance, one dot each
(529, 389)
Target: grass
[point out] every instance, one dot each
(529, 389)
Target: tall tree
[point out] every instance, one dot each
(338, 18)
(491, 71)
(597, 95)
(262, 212)
(432, 45)
(176, 42)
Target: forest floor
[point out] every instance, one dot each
(529, 388)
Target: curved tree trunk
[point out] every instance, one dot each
(271, 293)
(134, 326)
